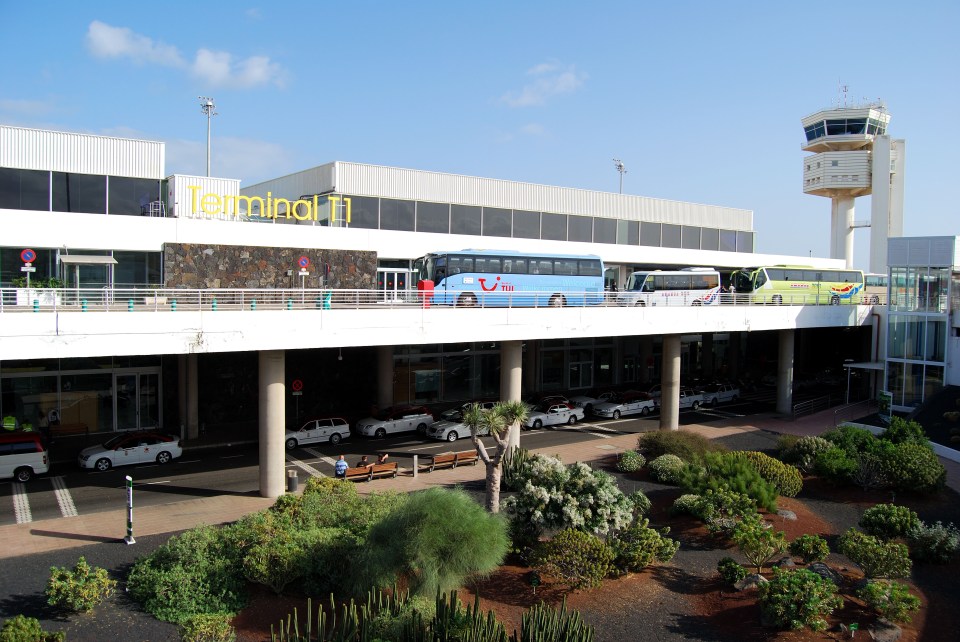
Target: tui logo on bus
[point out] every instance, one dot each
(504, 287)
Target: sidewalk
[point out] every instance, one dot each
(110, 526)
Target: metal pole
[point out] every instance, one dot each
(129, 538)
(208, 143)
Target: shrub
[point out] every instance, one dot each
(641, 503)
(914, 467)
(194, 573)
(901, 431)
(436, 539)
(805, 452)
(875, 557)
(667, 469)
(513, 467)
(686, 505)
(638, 546)
(851, 439)
(558, 496)
(329, 503)
(794, 599)
(871, 471)
(786, 479)
(334, 555)
(891, 600)
(630, 461)
(578, 558)
(207, 628)
(730, 571)
(835, 465)
(281, 556)
(936, 543)
(786, 448)
(79, 589)
(758, 542)
(728, 471)
(888, 521)
(721, 509)
(688, 446)
(20, 628)
(810, 548)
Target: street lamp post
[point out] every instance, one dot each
(620, 168)
(208, 107)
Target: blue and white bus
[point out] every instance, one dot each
(503, 278)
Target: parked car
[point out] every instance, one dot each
(588, 403)
(394, 420)
(451, 426)
(627, 404)
(544, 400)
(131, 448)
(330, 429)
(22, 455)
(720, 393)
(690, 398)
(553, 414)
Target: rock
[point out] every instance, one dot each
(884, 631)
(784, 562)
(788, 515)
(825, 572)
(750, 582)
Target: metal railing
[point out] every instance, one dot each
(172, 299)
(815, 405)
(854, 410)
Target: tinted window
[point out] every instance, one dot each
(650, 234)
(526, 225)
(396, 215)
(690, 238)
(79, 193)
(744, 241)
(433, 217)
(604, 230)
(364, 212)
(589, 268)
(132, 196)
(565, 267)
(465, 219)
(728, 241)
(541, 266)
(710, 239)
(24, 189)
(628, 232)
(671, 235)
(514, 266)
(581, 229)
(554, 227)
(496, 222)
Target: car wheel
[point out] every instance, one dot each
(380, 434)
(422, 429)
(616, 414)
(291, 443)
(452, 435)
(588, 409)
(164, 457)
(644, 411)
(23, 475)
(103, 464)
(735, 398)
(696, 405)
(335, 438)
(538, 424)
(572, 420)
(714, 401)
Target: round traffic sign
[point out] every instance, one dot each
(297, 385)
(27, 256)
(303, 261)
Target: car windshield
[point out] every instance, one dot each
(113, 442)
(451, 415)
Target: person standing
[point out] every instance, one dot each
(340, 468)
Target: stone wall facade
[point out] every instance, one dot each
(187, 265)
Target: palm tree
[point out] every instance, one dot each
(498, 421)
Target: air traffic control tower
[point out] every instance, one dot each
(854, 156)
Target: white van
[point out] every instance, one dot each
(22, 455)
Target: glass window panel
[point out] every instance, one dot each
(913, 384)
(671, 235)
(728, 241)
(650, 234)
(710, 238)
(589, 267)
(487, 264)
(932, 381)
(553, 227)
(566, 267)
(465, 219)
(24, 189)
(690, 237)
(514, 266)
(526, 225)
(914, 342)
(745, 242)
(604, 230)
(136, 268)
(541, 266)
(364, 212)
(396, 215)
(936, 340)
(85, 193)
(628, 232)
(433, 217)
(497, 222)
(895, 381)
(132, 196)
(580, 229)
(896, 336)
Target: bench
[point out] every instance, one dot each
(367, 473)
(441, 461)
(467, 457)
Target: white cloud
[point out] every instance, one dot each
(551, 79)
(106, 41)
(215, 68)
(30, 107)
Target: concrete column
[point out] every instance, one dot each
(706, 354)
(272, 413)
(670, 383)
(645, 356)
(785, 373)
(182, 395)
(511, 377)
(193, 398)
(842, 224)
(384, 376)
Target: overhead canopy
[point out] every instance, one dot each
(865, 365)
(86, 259)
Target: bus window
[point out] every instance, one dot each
(811, 275)
(543, 266)
(488, 264)
(589, 267)
(793, 275)
(514, 266)
(566, 267)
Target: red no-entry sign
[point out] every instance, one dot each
(297, 385)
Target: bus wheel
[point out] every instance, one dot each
(875, 300)
(556, 301)
(834, 300)
(696, 304)
(777, 299)
(641, 303)
(467, 300)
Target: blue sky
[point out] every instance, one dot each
(701, 100)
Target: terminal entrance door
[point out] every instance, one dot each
(392, 283)
(136, 400)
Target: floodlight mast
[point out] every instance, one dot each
(620, 168)
(208, 107)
